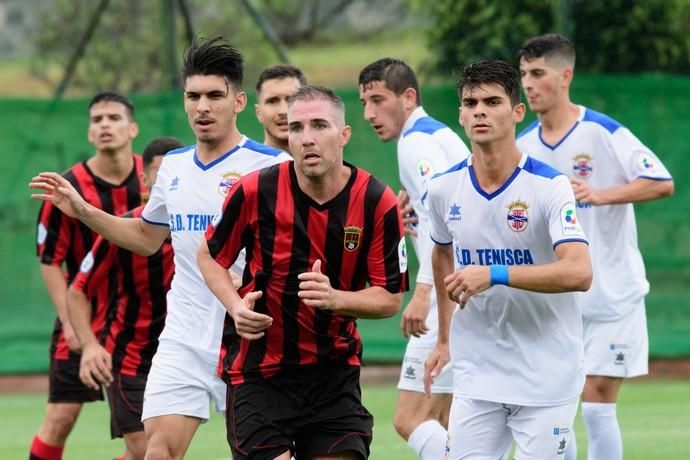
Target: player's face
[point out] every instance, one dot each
(384, 111)
(151, 171)
(110, 129)
(316, 138)
(541, 83)
(487, 114)
(212, 105)
(271, 109)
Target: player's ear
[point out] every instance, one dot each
(240, 101)
(257, 110)
(409, 98)
(345, 134)
(567, 76)
(460, 116)
(519, 112)
(133, 130)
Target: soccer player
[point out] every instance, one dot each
(122, 363)
(509, 250)
(609, 169)
(192, 183)
(273, 88)
(316, 231)
(109, 180)
(389, 92)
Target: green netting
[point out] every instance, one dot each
(36, 135)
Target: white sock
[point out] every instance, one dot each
(428, 440)
(571, 448)
(603, 432)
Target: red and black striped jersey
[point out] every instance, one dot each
(62, 239)
(357, 236)
(131, 333)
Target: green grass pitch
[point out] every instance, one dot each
(654, 416)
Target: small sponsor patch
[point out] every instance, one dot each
(402, 255)
(425, 168)
(570, 223)
(87, 263)
(646, 163)
(41, 233)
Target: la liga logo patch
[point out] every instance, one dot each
(570, 224)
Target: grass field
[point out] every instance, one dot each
(654, 416)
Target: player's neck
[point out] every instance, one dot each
(558, 121)
(112, 166)
(494, 163)
(276, 143)
(323, 189)
(208, 151)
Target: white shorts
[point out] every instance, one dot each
(617, 348)
(412, 371)
(484, 430)
(181, 382)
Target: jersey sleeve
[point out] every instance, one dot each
(225, 234)
(156, 211)
(637, 160)
(387, 257)
(95, 268)
(561, 215)
(53, 235)
(435, 203)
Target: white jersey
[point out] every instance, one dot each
(186, 198)
(426, 147)
(605, 154)
(510, 345)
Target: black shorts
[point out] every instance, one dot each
(312, 411)
(65, 385)
(126, 400)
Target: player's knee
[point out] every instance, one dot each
(404, 422)
(158, 452)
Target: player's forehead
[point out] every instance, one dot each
(483, 91)
(285, 86)
(203, 84)
(106, 108)
(306, 111)
(375, 88)
(527, 64)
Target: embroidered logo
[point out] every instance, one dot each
(352, 238)
(174, 184)
(582, 166)
(517, 216)
(454, 212)
(227, 181)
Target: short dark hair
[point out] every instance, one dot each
(316, 93)
(111, 96)
(278, 72)
(491, 71)
(159, 147)
(549, 46)
(394, 73)
(214, 56)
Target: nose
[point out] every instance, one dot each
(283, 108)
(202, 106)
(307, 136)
(369, 112)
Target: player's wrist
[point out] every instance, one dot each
(499, 275)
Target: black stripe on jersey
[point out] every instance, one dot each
(267, 196)
(156, 287)
(333, 255)
(133, 188)
(126, 335)
(227, 222)
(54, 222)
(373, 194)
(391, 239)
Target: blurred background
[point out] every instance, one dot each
(633, 61)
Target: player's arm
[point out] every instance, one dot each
(637, 191)
(442, 265)
(374, 302)
(54, 280)
(133, 234)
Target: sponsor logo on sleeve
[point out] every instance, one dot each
(569, 221)
(41, 234)
(425, 168)
(646, 163)
(402, 255)
(87, 263)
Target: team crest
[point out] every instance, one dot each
(227, 182)
(352, 238)
(582, 166)
(517, 216)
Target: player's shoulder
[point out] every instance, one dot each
(530, 130)
(448, 174)
(601, 120)
(262, 149)
(540, 169)
(188, 150)
(424, 125)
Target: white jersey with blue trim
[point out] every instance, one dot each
(425, 147)
(187, 196)
(510, 345)
(604, 153)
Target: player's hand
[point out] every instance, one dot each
(585, 193)
(463, 284)
(248, 323)
(315, 288)
(57, 190)
(71, 338)
(407, 214)
(433, 365)
(413, 321)
(96, 366)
